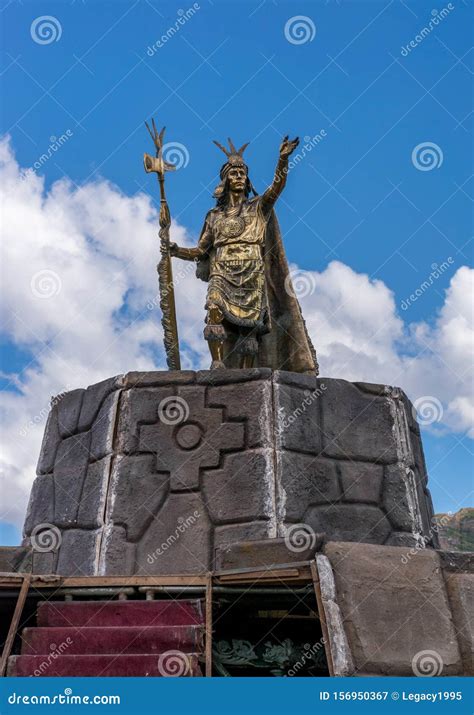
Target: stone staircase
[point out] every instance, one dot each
(113, 638)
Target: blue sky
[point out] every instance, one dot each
(357, 197)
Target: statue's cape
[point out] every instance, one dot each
(287, 346)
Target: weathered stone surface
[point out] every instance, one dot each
(69, 407)
(403, 538)
(246, 444)
(92, 506)
(362, 430)
(232, 533)
(461, 597)
(79, 553)
(262, 553)
(298, 418)
(92, 401)
(224, 377)
(361, 481)
(15, 559)
(457, 561)
(44, 562)
(41, 505)
(396, 498)
(341, 656)
(102, 431)
(393, 608)
(242, 490)
(137, 493)
(69, 474)
(156, 378)
(251, 401)
(305, 480)
(117, 555)
(178, 540)
(349, 522)
(51, 442)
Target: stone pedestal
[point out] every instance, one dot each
(151, 473)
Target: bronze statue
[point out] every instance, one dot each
(253, 317)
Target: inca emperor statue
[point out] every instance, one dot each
(253, 318)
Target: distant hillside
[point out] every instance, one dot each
(456, 531)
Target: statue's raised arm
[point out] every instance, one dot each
(269, 196)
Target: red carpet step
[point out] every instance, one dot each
(113, 638)
(104, 665)
(81, 640)
(120, 613)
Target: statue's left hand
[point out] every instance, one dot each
(288, 146)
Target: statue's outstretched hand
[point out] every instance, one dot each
(288, 146)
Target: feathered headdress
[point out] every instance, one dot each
(234, 158)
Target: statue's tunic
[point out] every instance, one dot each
(234, 241)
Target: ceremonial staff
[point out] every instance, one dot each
(165, 272)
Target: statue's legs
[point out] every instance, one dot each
(215, 334)
(247, 347)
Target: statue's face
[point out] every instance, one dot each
(237, 178)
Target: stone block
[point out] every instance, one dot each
(242, 490)
(69, 474)
(305, 480)
(68, 408)
(357, 426)
(92, 506)
(41, 504)
(349, 522)
(102, 430)
(263, 553)
(393, 609)
(250, 403)
(178, 540)
(461, 596)
(79, 553)
(399, 507)
(224, 536)
(50, 444)
(92, 401)
(298, 418)
(361, 481)
(137, 493)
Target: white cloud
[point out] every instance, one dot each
(101, 247)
